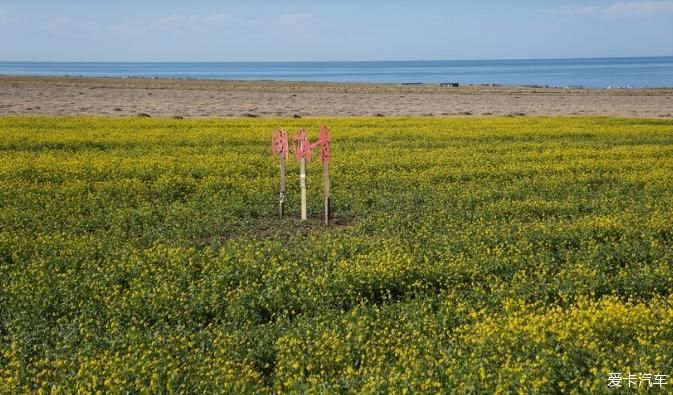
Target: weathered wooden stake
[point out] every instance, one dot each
(302, 185)
(281, 199)
(302, 151)
(279, 146)
(323, 142)
(325, 185)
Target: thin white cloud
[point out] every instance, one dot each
(621, 9)
(218, 19)
(291, 19)
(587, 10)
(178, 21)
(572, 11)
(57, 23)
(160, 25)
(625, 8)
(5, 18)
(287, 22)
(297, 24)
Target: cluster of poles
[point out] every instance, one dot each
(303, 151)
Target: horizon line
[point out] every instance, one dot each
(336, 61)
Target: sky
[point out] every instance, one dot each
(303, 30)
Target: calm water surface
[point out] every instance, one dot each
(596, 73)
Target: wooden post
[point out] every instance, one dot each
(302, 151)
(302, 185)
(323, 142)
(279, 146)
(325, 185)
(281, 199)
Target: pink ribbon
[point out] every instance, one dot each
(279, 143)
(323, 142)
(302, 148)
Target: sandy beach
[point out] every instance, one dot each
(214, 98)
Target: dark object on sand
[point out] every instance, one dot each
(450, 84)
(143, 115)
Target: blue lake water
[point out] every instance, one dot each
(596, 73)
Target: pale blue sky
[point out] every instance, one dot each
(284, 30)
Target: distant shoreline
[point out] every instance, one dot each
(345, 61)
(635, 72)
(345, 83)
(164, 97)
(132, 77)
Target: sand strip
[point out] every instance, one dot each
(209, 98)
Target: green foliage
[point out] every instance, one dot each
(467, 255)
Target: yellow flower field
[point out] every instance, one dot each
(469, 255)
